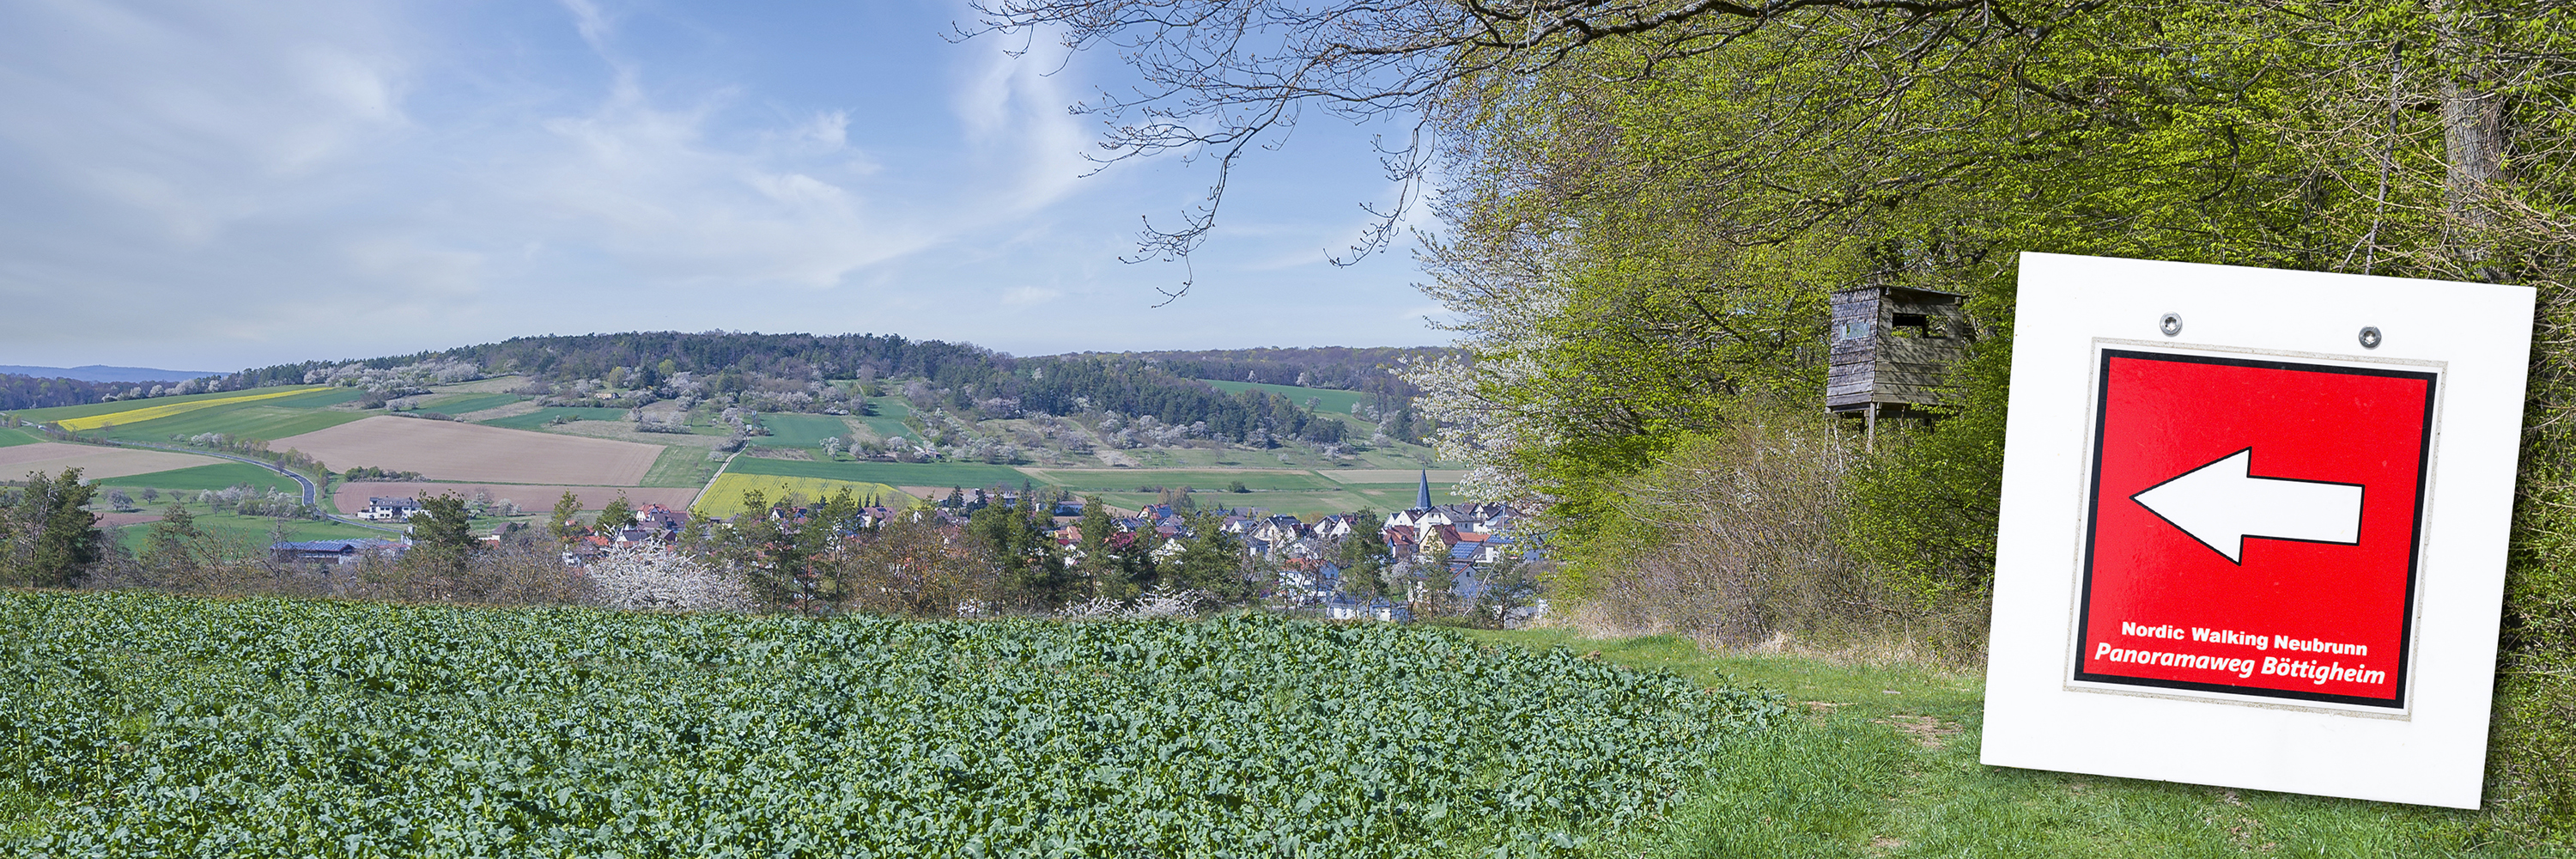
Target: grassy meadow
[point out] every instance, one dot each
(790, 430)
(541, 417)
(219, 476)
(1327, 400)
(1883, 763)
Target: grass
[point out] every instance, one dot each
(1884, 763)
(724, 497)
(1329, 401)
(457, 404)
(254, 530)
(257, 420)
(11, 437)
(966, 474)
(1128, 480)
(888, 420)
(541, 417)
(218, 476)
(682, 466)
(786, 430)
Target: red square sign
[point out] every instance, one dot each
(2254, 526)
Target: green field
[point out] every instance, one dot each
(250, 530)
(682, 466)
(92, 409)
(1130, 480)
(964, 474)
(261, 420)
(541, 417)
(271, 727)
(888, 420)
(457, 404)
(12, 437)
(793, 430)
(217, 476)
(1329, 401)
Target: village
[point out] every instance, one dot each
(1429, 559)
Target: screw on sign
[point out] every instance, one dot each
(2254, 526)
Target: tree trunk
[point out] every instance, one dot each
(2473, 136)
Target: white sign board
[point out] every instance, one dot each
(2253, 527)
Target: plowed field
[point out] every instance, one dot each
(446, 450)
(352, 497)
(94, 462)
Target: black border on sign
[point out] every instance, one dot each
(2092, 525)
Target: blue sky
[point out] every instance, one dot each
(201, 185)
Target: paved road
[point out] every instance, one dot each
(312, 493)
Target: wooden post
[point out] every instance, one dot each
(1869, 436)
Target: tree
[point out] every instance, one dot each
(1363, 555)
(442, 540)
(46, 539)
(1107, 573)
(1210, 559)
(1032, 573)
(618, 515)
(565, 525)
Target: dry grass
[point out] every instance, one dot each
(1739, 547)
(94, 462)
(446, 450)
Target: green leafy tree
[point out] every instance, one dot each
(49, 540)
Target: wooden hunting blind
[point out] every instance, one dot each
(1891, 345)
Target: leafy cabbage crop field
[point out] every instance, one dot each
(148, 725)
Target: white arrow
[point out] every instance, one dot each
(2221, 504)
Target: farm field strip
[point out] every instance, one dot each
(253, 533)
(683, 465)
(1329, 401)
(1200, 480)
(260, 421)
(160, 410)
(541, 417)
(351, 497)
(12, 437)
(222, 475)
(723, 498)
(457, 404)
(59, 413)
(790, 430)
(286, 727)
(966, 474)
(95, 463)
(451, 451)
(1388, 476)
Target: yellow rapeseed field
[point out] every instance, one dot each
(723, 498)
(146, 413)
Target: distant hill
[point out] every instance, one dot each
(1339, 367)
(103, 373)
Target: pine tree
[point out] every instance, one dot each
(563, 527)
(46, 539)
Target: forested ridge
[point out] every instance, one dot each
(40, 392)
(961, 377)
(1645, 204)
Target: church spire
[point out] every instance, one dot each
(1422, 497)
